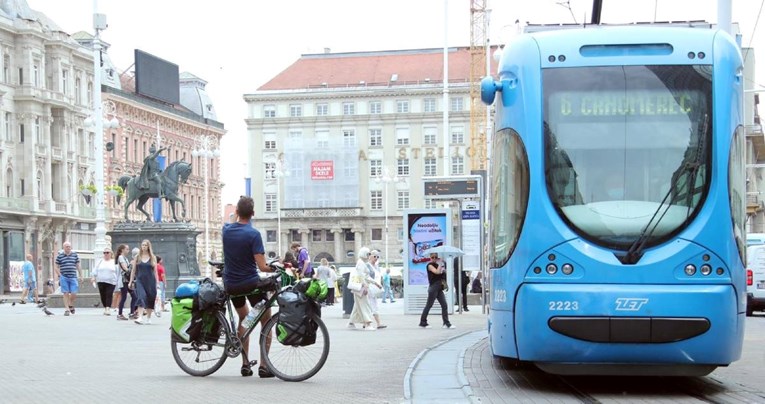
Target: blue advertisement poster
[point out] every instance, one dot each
(424, 230)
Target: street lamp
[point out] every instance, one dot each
(97, 120)
(207, 150)
(280, 170)
(386, 178)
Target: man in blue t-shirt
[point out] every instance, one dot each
(30, 280)
(243, 254)
(67, 270)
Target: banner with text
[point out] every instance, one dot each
(322, 170)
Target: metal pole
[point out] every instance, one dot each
(385, 202)
(279, 213)
(207, 156)
(445, 99)
(100, 230)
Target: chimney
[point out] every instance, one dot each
(327, 50)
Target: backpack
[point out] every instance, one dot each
(210, 295)
(295, 326)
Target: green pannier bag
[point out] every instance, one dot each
(181, 320)
(315, 289)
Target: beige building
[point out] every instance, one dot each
(340, 141)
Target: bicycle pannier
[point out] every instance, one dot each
(210, 295)
(181, 319)
(295, 326)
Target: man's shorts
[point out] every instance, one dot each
(247, 286)
(31, 285)
(69, 285)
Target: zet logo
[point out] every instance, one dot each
(630, 304)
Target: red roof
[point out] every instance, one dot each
(371, 68)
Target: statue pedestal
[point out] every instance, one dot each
(176, 243)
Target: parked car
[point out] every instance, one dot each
(755, 278)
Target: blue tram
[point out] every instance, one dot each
(617, 196)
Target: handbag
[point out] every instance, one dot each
(444, 285)
(374, 291)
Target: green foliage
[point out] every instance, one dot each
(116, 188)
(89, 189)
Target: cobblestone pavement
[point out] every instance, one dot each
(90, 357)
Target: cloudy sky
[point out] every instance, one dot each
(236, 46)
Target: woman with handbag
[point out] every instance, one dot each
(436, 286)
(106, 279)
(124, 268)
(358, 284)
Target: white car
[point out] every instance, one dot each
(755, 278)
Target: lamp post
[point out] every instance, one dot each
(207, 151)
(386, 178)
(280, 170)
(97, 120)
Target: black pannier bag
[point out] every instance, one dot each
(295, 326)
(205, 326)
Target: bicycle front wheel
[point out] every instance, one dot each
(198, 359)
(294, 363)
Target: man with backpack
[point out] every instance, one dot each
(304, 260)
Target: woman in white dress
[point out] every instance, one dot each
(374, 259)
(358, 283)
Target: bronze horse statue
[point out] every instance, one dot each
(175, 174)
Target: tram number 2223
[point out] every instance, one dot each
(563, 305)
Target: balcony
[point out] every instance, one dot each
(754, 133)
(40, 149)
(15, 205)
(753, 203)
(83, 160)
(320, 213)
(57, 154)
(70, 156)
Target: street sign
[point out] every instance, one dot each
(452, 187)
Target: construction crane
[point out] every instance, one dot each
(478, 38)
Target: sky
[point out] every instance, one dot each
(237, 46)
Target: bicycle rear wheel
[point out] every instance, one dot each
(198, 359)
(294, 363)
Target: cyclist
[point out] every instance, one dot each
(243, 254)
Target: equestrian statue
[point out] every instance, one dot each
(155, 183)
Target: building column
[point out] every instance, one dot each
(286, 233)
(358, 241)
(304, 238)
(339, 253)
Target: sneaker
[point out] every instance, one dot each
(352, 326)
(23, 302)
(133, 316)
(449, 326)
(139, 321)
(148, 320)
(71, 308)
(158, 313)
(393, 301)
(66, 313)
(107, 312)
(425, 325)
(121, 317)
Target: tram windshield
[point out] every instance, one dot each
(627, 149)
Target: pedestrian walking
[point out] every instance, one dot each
(124, 267)
(436, 283)
(67, 267)
(161, 284)
(358, 284)
(106, 279)
(461, 286)
(30, 281)
(324, 273)
(375, 289)
(387, 293)
(143, 280)
(331, 285)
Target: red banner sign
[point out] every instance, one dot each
(322, 170)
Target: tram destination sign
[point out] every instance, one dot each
(452, 187)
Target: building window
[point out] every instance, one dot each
(90, 93)
(375, 137)
(8, 126)
(458, 165)
(375, 168)
(316, 235)
(322, 109)
(429, 105)
(269, 111)
(402, 136)
(349, 108)
(295, 235)
(270, 144)
(270, 171)
(36, 75)
(271, 236)
(458, 135)
(402, 106)
(6, 67)
(38, 132)
(21, 76)
(375, 200)
(375, 107)
(78, 91)
(377, 234)
(456, 104)
(429, 135)
(65, 81)
(349, 137)
(270, 206)
(402, 166)
(403, 200)
(329, 235)
(296, 134)
(350, 168)
(296, 110)
(431, 204)
(430, 167)
(21, 133)
(349, 235)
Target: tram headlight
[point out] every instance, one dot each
(567, 269)
(706, 269)
(551, 268)
(690, 269)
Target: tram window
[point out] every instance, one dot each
(737, 187)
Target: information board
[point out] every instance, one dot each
(452, 187)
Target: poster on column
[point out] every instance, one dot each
(471, 236)
(424, 229)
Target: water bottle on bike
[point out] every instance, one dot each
(253, 314)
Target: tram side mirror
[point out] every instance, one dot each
(489, 89)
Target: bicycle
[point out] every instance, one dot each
(287, 362)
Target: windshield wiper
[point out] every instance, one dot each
(691, 166)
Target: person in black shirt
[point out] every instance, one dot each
(463, 287)
(436, 280)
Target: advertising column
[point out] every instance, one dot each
(425, 228)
